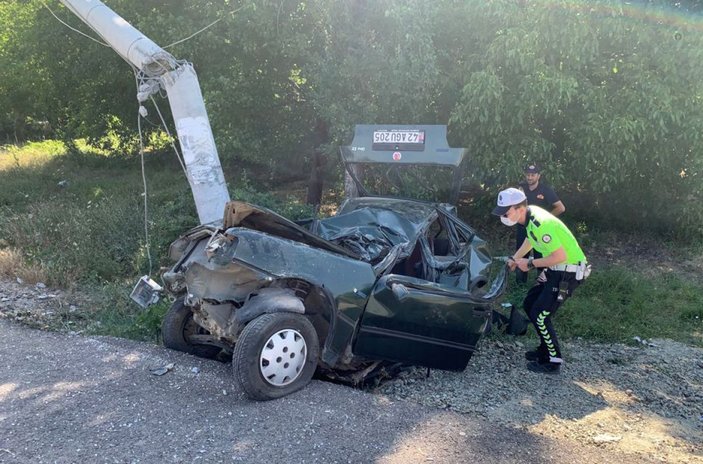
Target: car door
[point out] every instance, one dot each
(418, 322)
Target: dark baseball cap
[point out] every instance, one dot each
(532, 168)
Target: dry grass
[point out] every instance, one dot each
(32, 154)
(12, 264)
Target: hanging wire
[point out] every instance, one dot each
(193, 35)
(171, 139)
(146, 200)
(144, 83)
(72, 28)
(205, 28)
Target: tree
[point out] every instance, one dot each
(611, 105)
(606, 94)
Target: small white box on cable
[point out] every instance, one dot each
(146, 292)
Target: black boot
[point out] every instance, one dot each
(544, 368)
(537, 354)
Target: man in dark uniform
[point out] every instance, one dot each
(539, 194)
(565, 268)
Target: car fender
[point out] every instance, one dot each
(269, 300)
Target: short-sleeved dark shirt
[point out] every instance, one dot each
(543, 196)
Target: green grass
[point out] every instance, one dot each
(116, 315)
(76, 220)
(616, 304)
(80, 217)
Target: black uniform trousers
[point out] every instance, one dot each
(541, 304)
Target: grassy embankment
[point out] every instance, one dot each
(77, 220)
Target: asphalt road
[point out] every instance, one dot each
(69, 399)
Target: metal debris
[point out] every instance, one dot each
(644, 341)
(162, 370)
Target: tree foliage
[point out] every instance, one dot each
(607, 95)
(610, 103)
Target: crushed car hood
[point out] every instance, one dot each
(241, 214)
(366, 228)
(373, 227)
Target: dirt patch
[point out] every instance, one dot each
(38, 306)
(646, 255)
(645, 400)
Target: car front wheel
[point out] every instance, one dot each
(275, 355)
(178, 330)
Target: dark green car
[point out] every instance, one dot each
(384, 282)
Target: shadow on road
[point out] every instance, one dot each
(76, 399)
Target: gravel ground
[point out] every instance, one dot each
(645, 400)
(69, 398)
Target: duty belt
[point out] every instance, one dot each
(582, 270)
(565, 267)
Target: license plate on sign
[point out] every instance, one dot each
(398, 137)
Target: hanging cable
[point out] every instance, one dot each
(171, 139)
(140, 114)
(146, 202)
(72, 28)
(193, 35)
(204, 29)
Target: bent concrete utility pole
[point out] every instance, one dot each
(159, 69)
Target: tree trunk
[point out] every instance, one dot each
(350, 190)
(315, 181)
(319, 160)
(457, 178)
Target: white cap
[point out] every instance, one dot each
(507, 198)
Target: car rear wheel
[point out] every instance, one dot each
(275, 355)
(178, 328)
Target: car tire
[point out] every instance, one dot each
(177, 327)
(275, 355)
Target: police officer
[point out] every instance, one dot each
(565, 265)
(539, 194)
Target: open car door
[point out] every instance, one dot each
(414, 321)
(436, 320)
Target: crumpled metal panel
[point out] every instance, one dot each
(371, 233)
(207, 280)
(349, 281)
(414, 211)
(241, 214)
(344, 255)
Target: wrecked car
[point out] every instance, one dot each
(384, 282)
